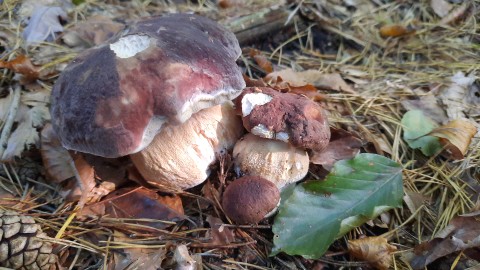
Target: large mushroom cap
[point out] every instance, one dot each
(111, 100)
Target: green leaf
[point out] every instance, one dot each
(416, 126)
(318, 212)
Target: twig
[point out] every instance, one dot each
(12, 113)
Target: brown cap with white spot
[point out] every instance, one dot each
(287, 117)
(112, 99)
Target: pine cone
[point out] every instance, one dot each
(21, 243)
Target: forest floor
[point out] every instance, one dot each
(369, 62)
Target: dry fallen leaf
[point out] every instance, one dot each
(44, 23)
(135, 258)
(343, 145)
(317, 79)
(22, 65)
(219, 234)
(440, 7)
(184, 261)
(395, 30)
(461, 96)
(374, 250)
(56, 159)
(139, 203)
(25, 134)
(462, 234)
(456, 135)
(261, 60)
(427, 102)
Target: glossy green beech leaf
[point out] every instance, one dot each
(318, 212)
(416, 126)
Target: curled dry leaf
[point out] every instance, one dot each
(342, 145)
(395, 30)
(375, 250)
(22, 65)
(261, 60)
(95, 177)
(456, 136)
(461, 234)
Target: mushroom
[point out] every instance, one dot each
(276, 161)
(113, 99)
(287, 117)
(283, 127)
(249, 199)
(180, 156)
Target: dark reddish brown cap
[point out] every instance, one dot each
(287, 117)
(249, 199)
(112, 99)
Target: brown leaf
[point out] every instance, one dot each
(219, 234)
(22, 65)
(56, 159)
(261, 60)
(342, 145)
(375, 250)
(311, 79)
(395, 30)
(253, 82)
(456, 135)
(140, 203)
(461, 234)
(95, 178)
(440, 7)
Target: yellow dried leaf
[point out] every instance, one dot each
(456, 135)
(374, 250)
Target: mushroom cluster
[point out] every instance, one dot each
(161, 91)
(283, 127)
(142, 88)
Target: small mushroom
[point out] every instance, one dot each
(179, 156)
(249, 199)
(277, 161)
(287, 117)
(112, 100)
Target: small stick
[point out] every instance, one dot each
(12, 113)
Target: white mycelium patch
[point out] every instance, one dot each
(129, 46)
(249, 101)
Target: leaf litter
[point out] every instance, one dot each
(439, 60)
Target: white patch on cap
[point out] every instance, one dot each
(262, 131)
(249, 101)
(129, 46)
